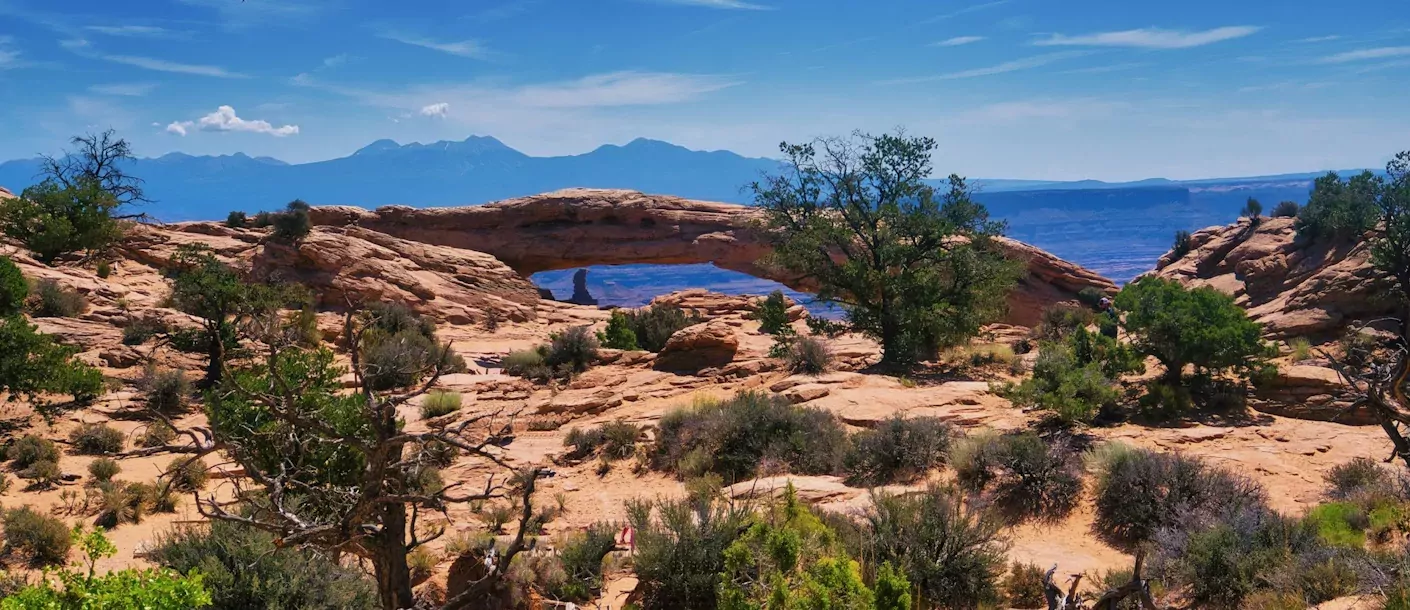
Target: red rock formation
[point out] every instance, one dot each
(1293, 287)
(581, 227)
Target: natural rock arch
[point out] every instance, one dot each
(582, 227)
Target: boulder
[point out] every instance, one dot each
(707, 345)
(1309, 392)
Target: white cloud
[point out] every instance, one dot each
(1319, 39)
(621, 89)
(437, 110)
(1151, 38)
(966, 10)
(135, 31)
(225, 119)
(1365, 54)
(162, 65)
(124, 89)
(465, 48)
(957, 41)
(246, 13)
(335, 61)
(721, 4)
(1008, 66)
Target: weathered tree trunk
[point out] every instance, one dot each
(215, 352)
(389, 562)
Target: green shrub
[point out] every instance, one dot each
(421, 563)
(733, 437)
(1300, 348)
(772, 312)
(580, 558)
(1139, 492)
(1023, 587)
(54, 300)
(525, 363)
(1182, 326)
(1061, 320)
(158, 433)
(1182, 245)
(186, 473)
(96, 439)
(616, 439)
(1285, 209)
(262, 219)
(13, 288)
(1360, 475)
(30, 449)
(120, 503)
(1090, 296)
(808, 356)
(292, 223)
(619, 333)
(436, 404)
(1253, 210)
(1228, 561)
(1339, 523)
(655, 324)
(1028, 476)
(44, 474)
(237, 220)
(680, 550)
(140, 330)
(55, 218)
(952, 553)
(399, 360)
(145, 589)
(1072, 392)
(103, 269)
(574, 350)
(899, 450)
(38, 538)
(167, 390)
(244, 569)
(1338, 209)
(103, 470)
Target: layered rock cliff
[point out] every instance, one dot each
(581, 227)
(1294, 287)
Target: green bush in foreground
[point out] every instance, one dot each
(38, 538)
(124, 589)
(732, 438)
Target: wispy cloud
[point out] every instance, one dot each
(83, 48)
(1319, 39)
(615, 89)
(1106, 68)
(135, 31)
(1151, 38)
(1009, 66)
(124, 89)
(8, 58)
(1045, 109)
(957, 41)
(465, 48)
(966, 10)
(248, 13)
(224, 119)
(720, 4)
(1365, 54)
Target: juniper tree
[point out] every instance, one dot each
(917, 269)
(221, 296)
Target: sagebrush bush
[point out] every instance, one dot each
(30, 449)
(1090, 296)
(142, 329)
(909, 531)
(808, 356)
(616, 439)
(1032, 477)
(772, 312)
(158, 433)
(167, 390)
(186, 474)
(398, 360)
(103, 470)
(655, 324)
(525, 363)
(1060, 320)
(43, 474)
(733, 437)
(1356, 477)
(1023, 586)
(244, 569)
(1285, 209)
(1224, 562)
(899, 450)
(580, 557)
(39, 539)
(54, 300)
(96, 439)
(436, 404)
(574, 350)
(1139, 492)
(680, 546)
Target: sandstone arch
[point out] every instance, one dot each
(581, 227)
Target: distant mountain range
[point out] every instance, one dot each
(1117, 229)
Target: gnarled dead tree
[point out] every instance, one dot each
(1374, 368)
(1072, 600)
(338, 471)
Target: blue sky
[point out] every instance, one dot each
(1040, 89)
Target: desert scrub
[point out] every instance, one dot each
(436, 404)
(37, 538)
(733, 437)
(51, 299)
(899, 450)
(96, 439)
